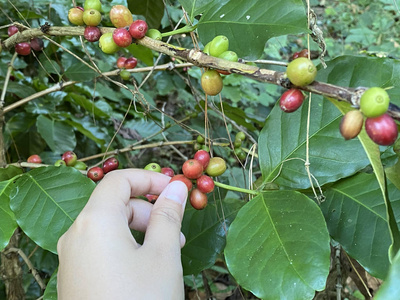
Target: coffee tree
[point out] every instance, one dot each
(294, 101)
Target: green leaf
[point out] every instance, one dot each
(278, 246)
(7, 218)
(47, 200)
(250, 24)
(80, 72)
(356, 216)
(152, 10)
(51, 288)
(87, 104)
(206, 230)
(9, 172)
(390, 289)
(195, 8)
(142, 53)
(58, 135)
(21, 90)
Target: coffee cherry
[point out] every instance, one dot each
(121, 62)
(154, 34)
(382, 130)
(92, 4)
(198, 199)
(184, 179)
(107, 44)
(23, 48)
(151, 198)
(205, 148)
(120, 16)
(240, 136)
(351, 124)
(92, 33)
(91, 17)
(211, 82)
(192, 169)
(138, 29)
(216, 166)
(200, 139)
(228, 55)
(70, 158)
(203, 157)
(12, 30)
(75, 16)
(80, 165)
(241, 155)
(130, 63)
(153, 167)
(82, 9)
(59, 163)
(206, 49)
(34, 159)
(374, 102)
(37, 44)
(168, 171)
(291, 100)
(218, 45)
(237, 144)
(110, 164)
(95, 173)
(122, 37)
(301, 71)
(125, 75)
(302, 53)
(205, 184)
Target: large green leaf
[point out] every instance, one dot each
(51, 288)
(356, 216)
(80, 72)
(142, 53)
(278, 246)
(205, 233)
(7, 218)
(86, 104)
(47, 200)
(390, 290)
(195, 8)
(58, 135)
(250, 24)
(152, 10)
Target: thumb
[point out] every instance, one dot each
(164, 228)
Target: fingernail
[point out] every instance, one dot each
(176, 191)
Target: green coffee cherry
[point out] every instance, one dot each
(374, 102)
(219, 45)
(229, 55)
(154, 34)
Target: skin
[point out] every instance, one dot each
(99, 258)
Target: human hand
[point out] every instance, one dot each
(100, 259)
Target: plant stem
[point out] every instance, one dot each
(236, 189)
(180, 30)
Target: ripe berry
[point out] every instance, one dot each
(95, 173)
(138, 29)
(110, 164)
(12, 30)
(291, 100)
(198, 199)
(125, 75)
(122, 37)
(153, 167)
(60, 162)
(211, 82)
(37, 44)
(70, 158)
(192, 169)
(91, 17)
(168, 171)
(130, 63)
(75, 16)
(121, 62)
(120, 16)
(216, 166)
(351, 124)
(92, 33)
(23, 48)
(382, 130)
(205, 184)
(152, 198)
(219, 45)
(203, 157)
(92, 4)
(301, 71)
(107, 44)
(34, 159)
(184, 179)
(374, 102)
(80, 165)
(154, 34)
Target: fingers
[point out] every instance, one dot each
(164, 228)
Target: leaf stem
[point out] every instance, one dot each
(236, 189)
(180, 30)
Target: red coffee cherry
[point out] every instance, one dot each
(198, 199)
(92, 33)
(23, 48)
(168, 171)
(192, 168)
(122, 37)
(382, 130)
(203, 157)
(12, 30)
(110, 164)
(205, 184)
(291, 100)
(130, 63)
(138, 29)
(184, 179)
(121, 62)
(34, 159)
(95, 173)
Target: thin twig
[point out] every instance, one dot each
(9, 70)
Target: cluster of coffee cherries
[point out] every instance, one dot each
(25, 48)
(211, 80)
(125, 64)
(301, 72)
(126, 30)
(196, 175)
(380, 127)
